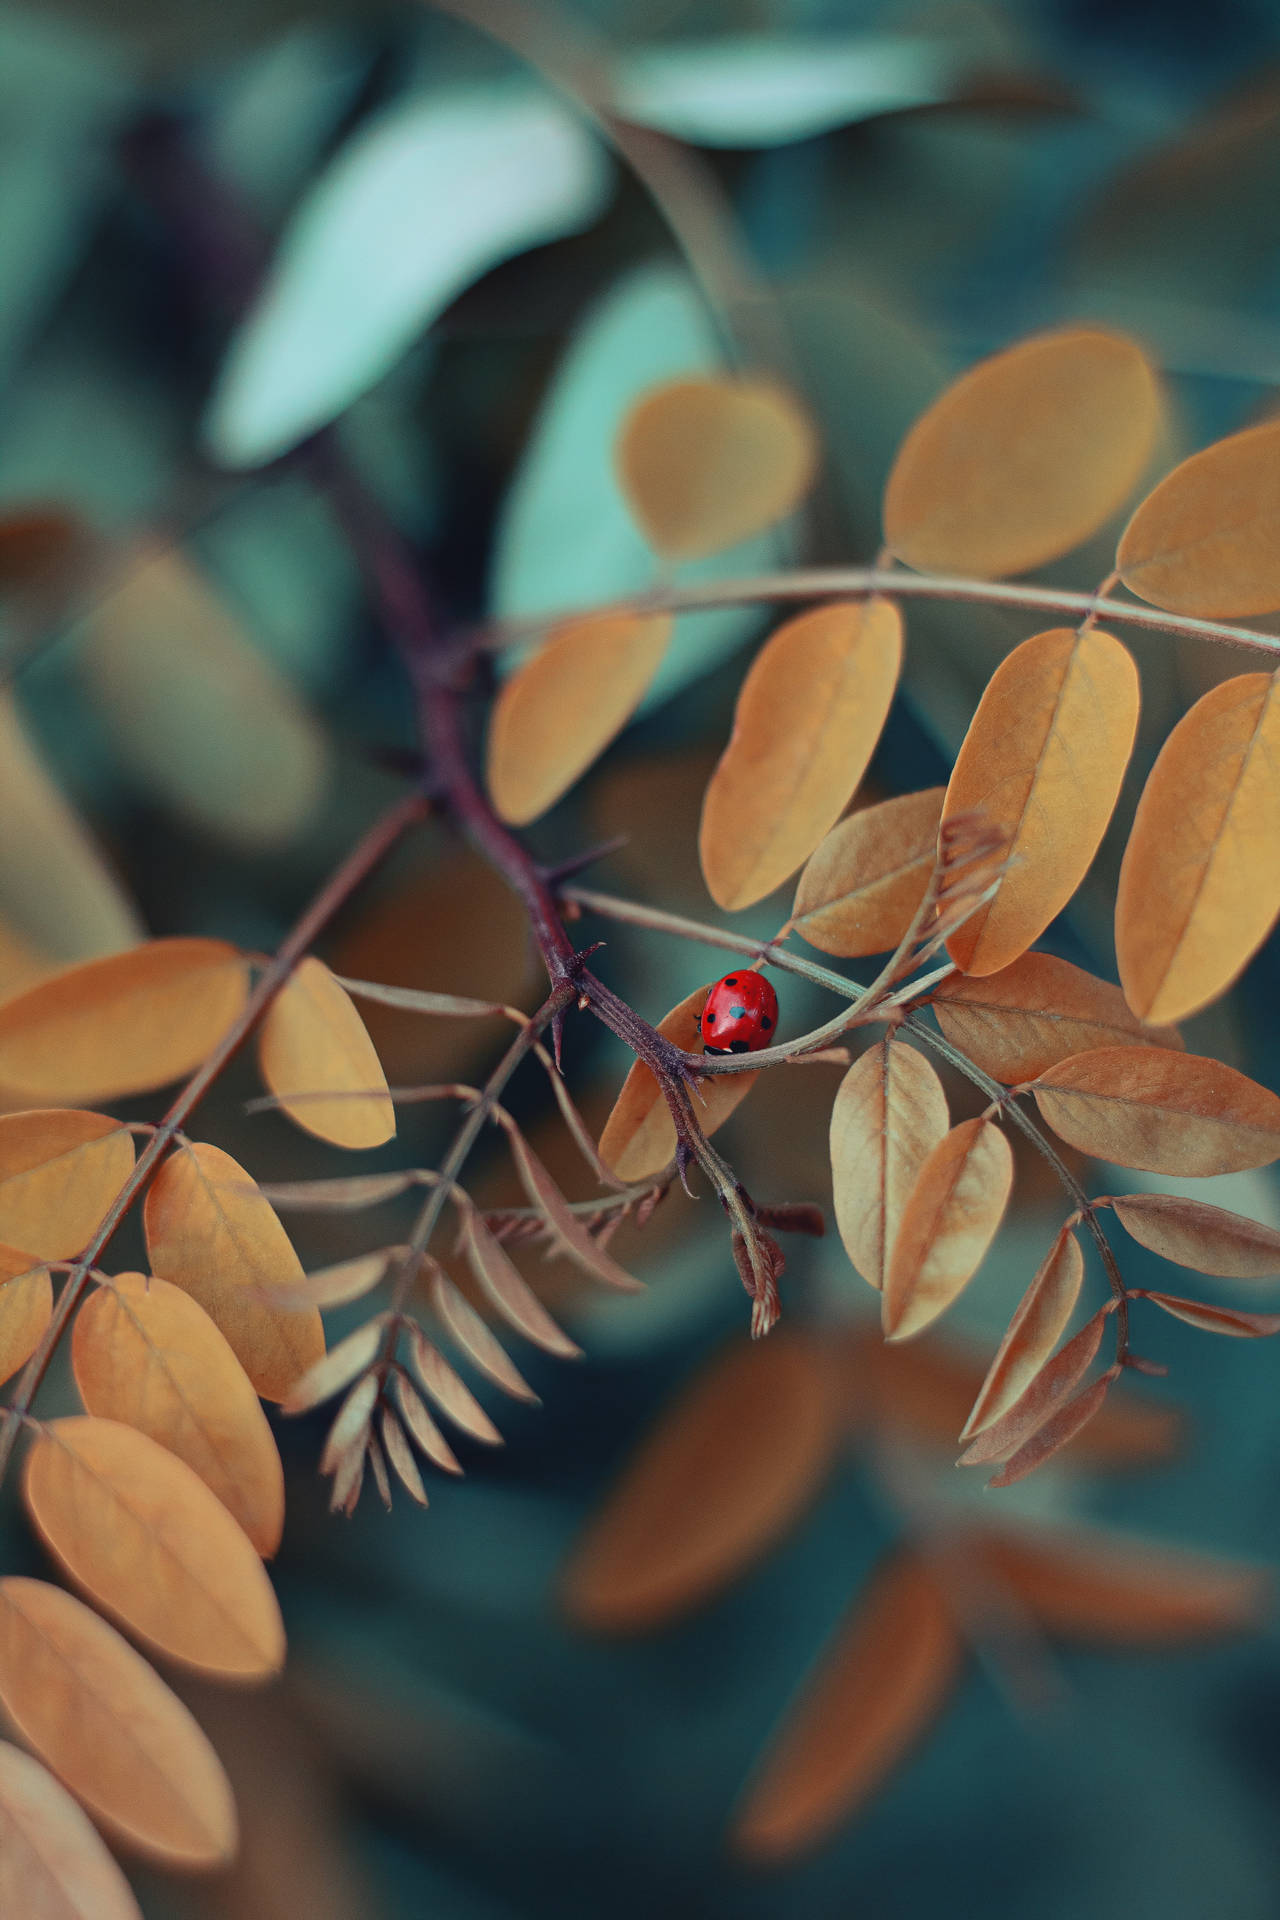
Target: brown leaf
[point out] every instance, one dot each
(423, 1430)
(949, 1221)
(860, 890)
(570, 1233)
(1057, 1432)
(60, 1170)
(1214, 1319)
(451, 1394)
(1033, 1332)
(1021, 1021)
(807, 721)
(336, 1369)
(106, 1724)
(1192, 1234)
(450, 1006)
(639, 1137)
(1207, 541)
(707, 462)
(340, 1284)
(142, 1534)
(878, 1685)
(353, 1193)
(400, 1455)
(1024, 456)
(504, 1287)
(1042, 761)
(53, 1866)
(889, 1114)
(145, 1354)
(1041, 1397)
(26, 1308)
(473, 1336)
(1199, 885)
(1164, 1112)
(722, 1475)
(313, 1041)
(127, 1024)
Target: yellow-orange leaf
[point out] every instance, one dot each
(1207, 541)
(60, 1170)
(808, 718)
(874, 1692)
(1024, 456)
(639, 1136)
(1213, 1319)
(888, 1115)
(126, 1024)
(53, 1866)
(558, 712)
(1043, 761)
(1033, 1332)
(1164, 1112)
(860, 890)
(212, 1233)
(1023, 1020)
(948, 1223)
(313, 1041)
(725, 1471)
(1192, 1234)
(1200, 882)
(145, 1354)
(26, 1307)
(108, 1726)
(705, 463)
(141, 1533)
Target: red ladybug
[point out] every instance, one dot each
(740, 1014)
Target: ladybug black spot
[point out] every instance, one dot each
(716, 1050)
(765, 1022)
(731, 980)
(739, 1046)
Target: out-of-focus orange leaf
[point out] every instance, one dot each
(1024, 456)
(60, 1170)
(1165, 1112)
(1057, 1432)
(558, 712)
(889, 1114)
(53, 1866)
(1043, 761)
(110, 1729)
(1025, 1019)
(949, 1221)
(126, 1024)
(705, 463)
(718, 1480)
(313, 1041)
(145, 1354)
(639, 1137)
(1214, 1319)
(808, 718)
(35, 543)
(1192, 1234)
(26, 1307)
(861, 888)
(1200, 882)
(1041, 1397)
(877, 1687)
(211, 1232)
(1032, 1334)
(1207, 541)
(141, 1533)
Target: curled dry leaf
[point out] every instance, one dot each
(1041, 1397)
(145, 1354)
(1165, 1112)
(1033, 1332)
(1024, 457)
(107, 1725)
(472, 1334)
(1214, 1319)
(558, 712)
(876, 1688)
(502, 1284)
(422, 1429)
(337, 1368)
(1192, 1234)
(340, 1284)
(211, 1232)
(454, 1006)
(313, 1041)
(949, 1221)
(889, 1114)
(705, 463)
(719, 1479)
(1043, 761)
(400, 1455)
(451, 1394)
(572, 1236)
(127, 1024)
(144, 1536)
(53, 1866)
(60, 1170)
(1021, 1021)
(1057, 1432)
(348, 1437)
(350, 1194)
(639, 1138)
(26, 1307)
(1199, 885)
(808, 718)
(1207, 541)
(861, 888)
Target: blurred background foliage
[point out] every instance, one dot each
(916, 185)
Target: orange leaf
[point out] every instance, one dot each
(1164, 1112)
(211, 1232)
(716, 1482)
(1041, 1397)
(807, 721)
(127, 1024)
(1043, 761)
(1214, 1319)
(558, 712)
(110, 1729)
(1192, 1234)
(26, 1308)
(889, 1114)
(861, 888)
(639, 1137)
(1025, 1019)
(53, 1866)
(142, 1534)
(1057, 1432)
(949, 1221)
(1207, 541)
(145, 1354)
(1200, 882)
(1024, 456)
(877, 1687)
(60, 1170)
(1033, 1332)
(313, 1041)
(705, 463)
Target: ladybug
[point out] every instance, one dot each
(740, 1014)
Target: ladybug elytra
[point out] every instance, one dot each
(740, 1014)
